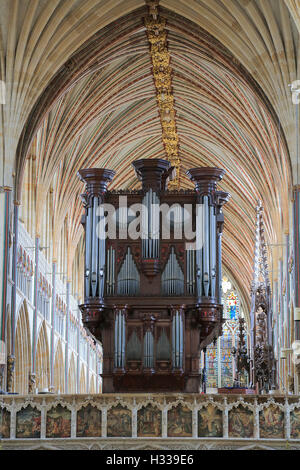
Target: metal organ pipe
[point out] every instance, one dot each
(116, 340)
(94, 248)
(206, 249)
(172, 276)
(128, 277)
(148, 350)
(101, 255)
(150, 225)
(219, 267)
(110, 272)
(177, 340)
(199, 247)
(120, 339)
(96, 180)
(88, 253)
(206, 267)
(213, 248)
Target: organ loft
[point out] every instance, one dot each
(152, 275)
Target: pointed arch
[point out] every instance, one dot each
(59, 370)
(72, 376)
(22, 352)
(82, 383)
(92, 385)
(42, 360)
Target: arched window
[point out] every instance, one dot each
(219, 358)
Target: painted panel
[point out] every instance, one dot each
(180, 422)
(89, 422)
(295, 423)
(28, 423)
(210, 422)
(119, 422)
(271, 423)
(241, 422)
(4, 423)
(149, 422)
(58, 422)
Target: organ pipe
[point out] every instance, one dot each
(150, 225)
(148, 350)
(190, 271)
(165, 337)
(206, 249)
(96, 180)
(119, 339)
(128, 277)
(177, 340)
(172, 276)
(110, 272)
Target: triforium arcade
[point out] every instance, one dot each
(153, 284)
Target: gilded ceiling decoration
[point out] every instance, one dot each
(162, 71)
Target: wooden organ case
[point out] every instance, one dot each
(152, 276)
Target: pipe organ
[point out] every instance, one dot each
(153, 275)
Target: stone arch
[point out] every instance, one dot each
(82, 382)
(59, 370)
(42, 360)
(92, 385)
(72, 376)
(22, 351)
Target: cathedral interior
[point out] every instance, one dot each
(150, 224)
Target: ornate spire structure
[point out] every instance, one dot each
(262, 371)
(260, 269)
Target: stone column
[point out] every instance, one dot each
(43, 420)
(225, 419)
(256, 420)
(73, 421)
(5, 198)
(134, 422)
(195, 423)
(67, 337)
(32, 377)
(296, 265)
(11, 358)
(104, 422)
(165, 422)
(296, 250)
(53, 320)
(78, 354)
(13, 419)
(287, 419)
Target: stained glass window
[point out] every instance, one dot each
(212, 366)
(226, 360)
(219, 359)
(231, 306)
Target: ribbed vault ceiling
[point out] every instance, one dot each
(92, 96)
